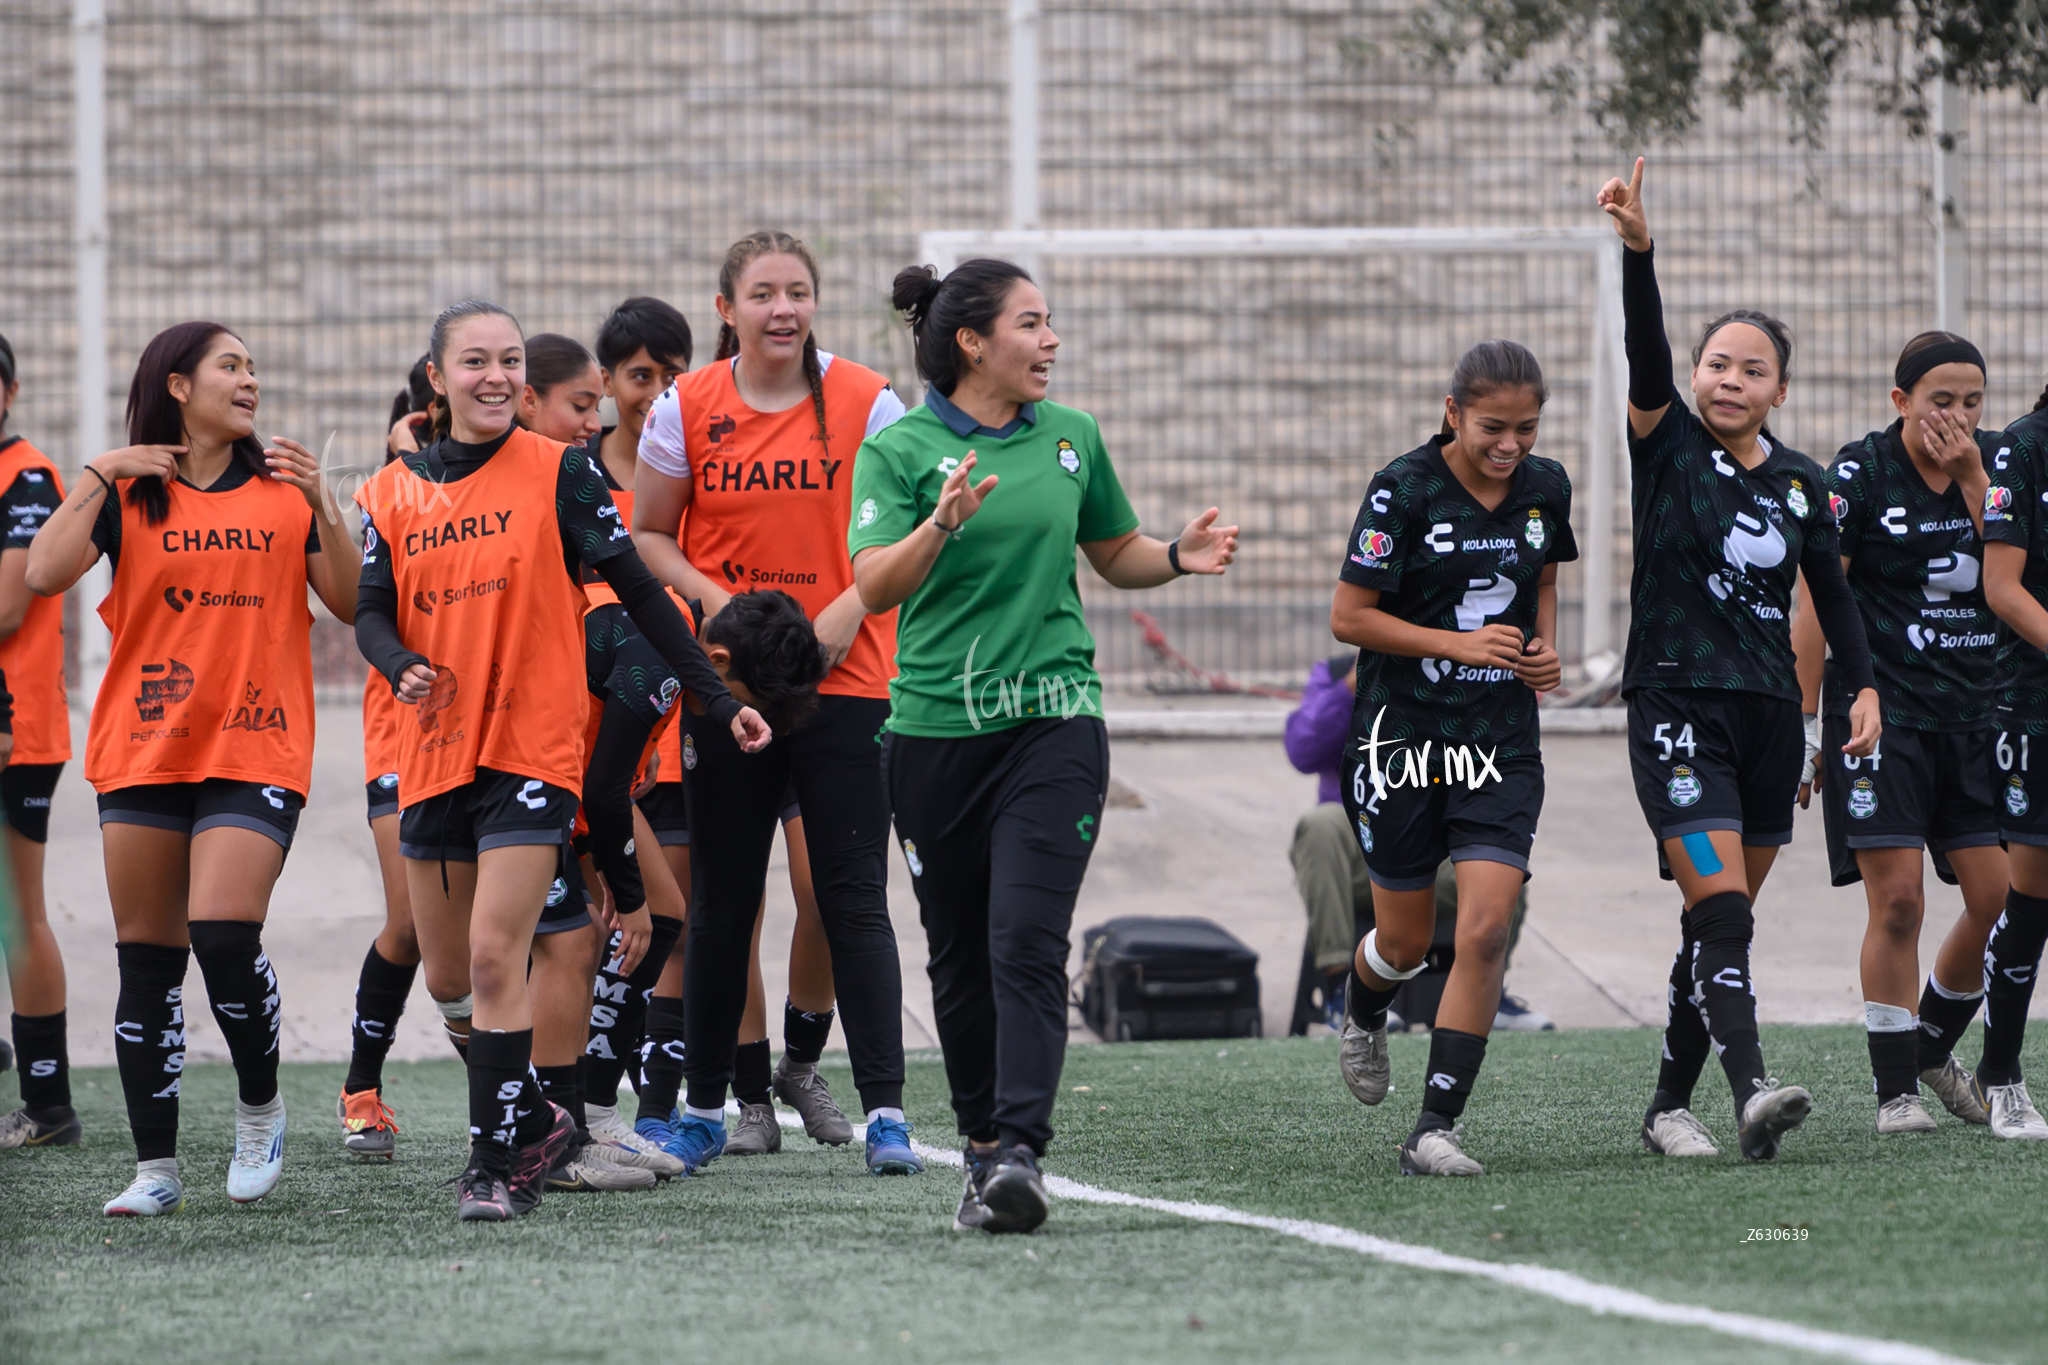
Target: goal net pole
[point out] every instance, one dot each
(1609, 379)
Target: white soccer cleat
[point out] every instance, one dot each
(155, 1190)
(1676, 1132)
(1957, 1089)
(1362, 1057)
(1773, 1111)
(614, 1142)
(259, 1151)
(2013, 1114)
(1904, 1114)
(1436, 1152)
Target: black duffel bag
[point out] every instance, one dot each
(1145, 977)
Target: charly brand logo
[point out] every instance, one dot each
(868, 512)
(1863, 798)
(1795, 499)
(1069, 459)
(162, 685)
(1534, 532)
(440, 696)
(987, 695)
(252, 714)
(721, 427)
(910, 856)
(1410, 765)
(689, 753)
(2016, 802)
(1684, 788)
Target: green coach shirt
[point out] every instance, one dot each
(994, 636)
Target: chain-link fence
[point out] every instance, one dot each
(322, 175)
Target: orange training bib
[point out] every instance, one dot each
(33, 657)
(211, 668)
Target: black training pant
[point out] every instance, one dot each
(736, 801)
(997, 829)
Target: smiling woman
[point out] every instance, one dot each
(1725, 519)
(996, 758)
(213, 539)
(492, 771)
(1449, 590)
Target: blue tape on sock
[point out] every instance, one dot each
(1700, 849)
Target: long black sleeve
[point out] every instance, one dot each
(662, 623)
(608, 802)
(377, 633)
(1648, 348)
(6, 707)
(1840, 619)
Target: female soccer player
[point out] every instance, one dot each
(996, 757)
(32, 658)
(201, 739)
(1449, 589)
(1909, 503)
(466, 618)
(1724, 518)
(2016, 586)
(751, 463)
(369, 1128)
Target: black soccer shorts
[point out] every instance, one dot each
(1919, 789)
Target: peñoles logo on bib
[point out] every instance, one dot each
(162, 685)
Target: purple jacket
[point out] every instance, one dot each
(1317, 729)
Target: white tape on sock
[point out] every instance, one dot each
(1887, 1018)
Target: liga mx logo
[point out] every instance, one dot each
(1838, 505)
(2016, 802)
(1375, 545)
(1997, 499)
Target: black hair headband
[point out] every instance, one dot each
(1914, 367)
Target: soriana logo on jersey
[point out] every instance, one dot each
(1373, 547)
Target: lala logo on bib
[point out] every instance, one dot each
(2016, 798)
(1795, 498)
(1684, 788)
(1863, 799)
(1069, 460)
(1534, 532)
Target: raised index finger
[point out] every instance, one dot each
(1635, 180)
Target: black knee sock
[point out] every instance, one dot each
(506, 1109)
(149, 1042)
(661, 1076)
(1894, 1060)
(1365, 1006)
(1720, 973)
(2011, 960)
(618, 1012)
(380, 999)
(1454, 1062)
(750, 1073)
(242, 988)
(1686, 1042)
(1943, 1017)
(45, 1067)
(562, 1085)
(804, 1034)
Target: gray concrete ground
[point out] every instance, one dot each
(1210, 838)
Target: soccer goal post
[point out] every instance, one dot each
(1273, 370)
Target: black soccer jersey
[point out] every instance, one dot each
(2016, 513)
(1717, 552)
(618, 662)
(1440, 560)
(1916, 569)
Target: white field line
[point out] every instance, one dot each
(1601, 1299)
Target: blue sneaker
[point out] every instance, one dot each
(657, 1131)
(1516, 1015)
(889, 1148)
(695, 1142)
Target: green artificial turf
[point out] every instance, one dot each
(802, 1255)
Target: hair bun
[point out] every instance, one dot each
(916, 287)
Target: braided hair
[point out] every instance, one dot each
(743, 253)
